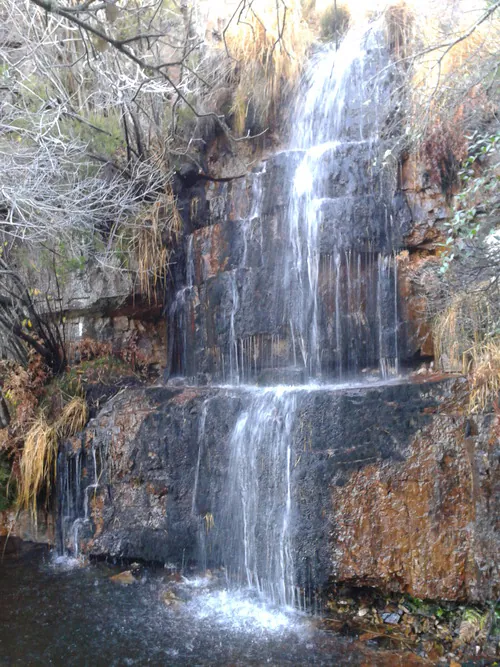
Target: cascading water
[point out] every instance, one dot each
(78, 479)
(318, 263)
(339, 303)
(255, 515)
(337, 122)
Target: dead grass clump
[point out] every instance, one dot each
(334, 22)
(38, 464)
(466, 339)
(268, 44)
(484, 374)
(73, 418)
(463, 328)
(154, 235)
(399, 23)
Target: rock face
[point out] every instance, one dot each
(292, 268)
(426, 526)
(230, 307)
(20, 525)
(100, 302)
(390, 486)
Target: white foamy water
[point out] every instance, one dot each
(197, 582)
(66, 563)
(237, 612)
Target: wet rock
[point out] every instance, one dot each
(170, 599)
(382, 490)
(422, 524)
(124, 578)
(20, 524)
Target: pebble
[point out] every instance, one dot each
(126, 578)
(391, 618)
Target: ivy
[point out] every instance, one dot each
(477, 203)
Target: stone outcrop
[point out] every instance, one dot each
(100, 302)
(425, 526)
(392, 486)
(20, 525)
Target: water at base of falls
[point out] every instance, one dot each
(80, 617)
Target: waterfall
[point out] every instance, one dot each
(78, 480)
(256, 509)
(297, 267)
(336, 128)
(298, 286)
(338, 281)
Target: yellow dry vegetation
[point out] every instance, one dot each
(153, 239)
(485, 374)
(39, 457)
(446, 48)
(267, 43)
(465, 340)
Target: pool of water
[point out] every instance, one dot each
(54, 611)
(57, 612)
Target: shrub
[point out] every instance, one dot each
(268, 44)
(334, 22)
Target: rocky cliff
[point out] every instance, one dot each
(392, 486)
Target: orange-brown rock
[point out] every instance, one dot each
(416, 526)
(124, 578)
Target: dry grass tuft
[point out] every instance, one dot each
(466, 339)
(153, 238)
(268, 43)
(334, 22)
(39, 457)
(484, 375)
(38, 464)
(450, 62)
(464, 327)
(73, 418)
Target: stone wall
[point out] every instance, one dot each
(99, 301)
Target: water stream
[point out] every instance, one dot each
(55, 614)
(255, 512)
